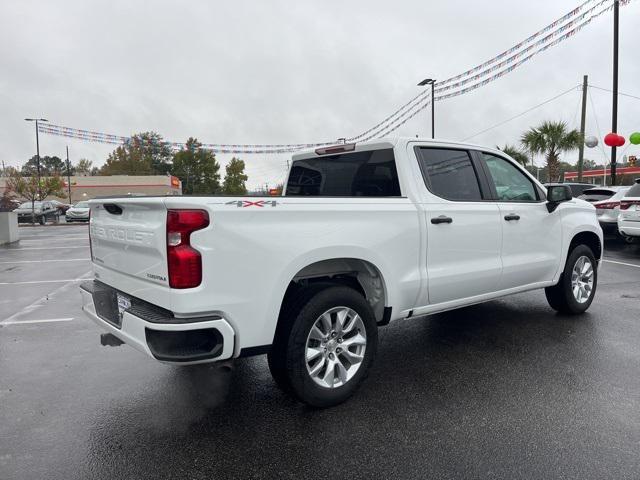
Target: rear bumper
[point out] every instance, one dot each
(629, 228)
(184, 343)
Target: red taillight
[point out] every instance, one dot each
(184, 261)
(624, 204)
(608, 205)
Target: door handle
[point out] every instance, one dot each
(441, 219)
(511, 216)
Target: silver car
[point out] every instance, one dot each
(78, 213)
(607, 210)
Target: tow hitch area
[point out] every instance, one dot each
(109, 340)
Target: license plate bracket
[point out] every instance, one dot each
(124, 303)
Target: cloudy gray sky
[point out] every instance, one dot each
(288, 72)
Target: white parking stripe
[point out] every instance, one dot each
(622, 263)
(38, 248)
(48, 320)
(67, 280)
(46, 261)
(43, 300)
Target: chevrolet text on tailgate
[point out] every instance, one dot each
(362, 235)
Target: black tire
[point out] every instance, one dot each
(560, 296)
(287, 360)
(42, 220)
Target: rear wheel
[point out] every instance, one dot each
(325, 346)
(577, 286)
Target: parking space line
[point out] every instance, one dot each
(66, 280)
(53, 260)
(621, 263)
(48, 320)
(38, 248)
(42, 300)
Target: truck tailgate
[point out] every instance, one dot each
(128, 236)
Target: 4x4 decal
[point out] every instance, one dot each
(247, 203)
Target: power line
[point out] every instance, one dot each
(619, 93)
(520, 114)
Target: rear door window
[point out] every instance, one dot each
(449, 173)
(356, 174)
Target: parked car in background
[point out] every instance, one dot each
(578, 188)
(78, 213)
(608, 210)
(39, 212)
(629, 218)
(62, 207)
(598, 194)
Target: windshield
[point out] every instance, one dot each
(634, 191)
(28, 205)
(81, 205)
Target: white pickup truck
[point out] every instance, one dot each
(363, 234)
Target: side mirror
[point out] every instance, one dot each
(556, 194)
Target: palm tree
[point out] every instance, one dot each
(515, 153)
(551, 139)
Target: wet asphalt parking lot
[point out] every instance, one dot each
(508, 389)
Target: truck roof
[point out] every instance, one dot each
(391, 142)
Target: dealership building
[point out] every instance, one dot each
(85, 188)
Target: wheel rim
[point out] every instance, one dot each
(582, 279)
(335, 347)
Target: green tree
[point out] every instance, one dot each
(83, 167)
(48, 166)
(515, 153)
(588, 164)
(29, 189)
(235, 178)
(551, 139)
(143, 154)
(197, 168)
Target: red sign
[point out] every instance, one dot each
(601, 172)
(175, 182)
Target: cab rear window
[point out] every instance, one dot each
(356, 174)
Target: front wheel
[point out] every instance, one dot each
(577, 286)
(325, 347)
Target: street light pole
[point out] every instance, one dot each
(432, 82)
(614, 107)
(37, 150)
(68, 175)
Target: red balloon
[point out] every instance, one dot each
(611, 139)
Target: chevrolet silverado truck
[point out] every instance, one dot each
(363, 234)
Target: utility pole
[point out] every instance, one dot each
(68, 174)
(583, 119)
(37, 150)
(614, 107)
